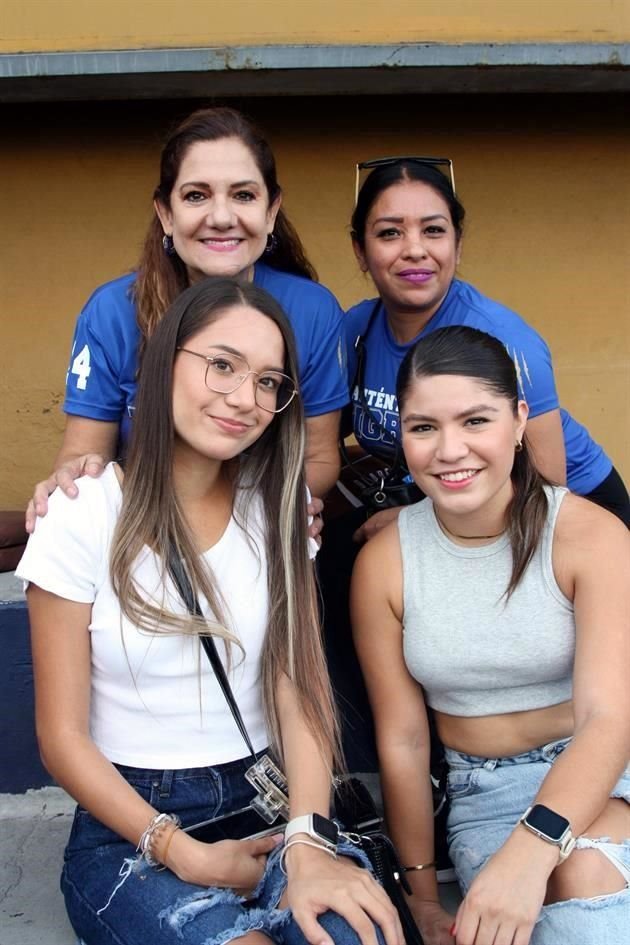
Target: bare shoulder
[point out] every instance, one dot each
(377, 574)
(589, 538)
(383, 547)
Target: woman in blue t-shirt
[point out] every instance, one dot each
(407, 233)
(217, 212)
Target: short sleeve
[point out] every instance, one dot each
(101, 373)
(323, 380)
(529, 350)
(65, 555)
(534, 370)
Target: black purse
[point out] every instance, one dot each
(268, 811)
(355, 808)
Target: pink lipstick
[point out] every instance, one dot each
(416, 276)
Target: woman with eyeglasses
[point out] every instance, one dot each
(407, 230)
(504, 607)
(217, 212)
(131, 716)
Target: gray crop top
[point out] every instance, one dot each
(473, 653)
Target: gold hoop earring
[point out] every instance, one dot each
(518, 447)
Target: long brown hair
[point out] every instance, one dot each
(272, 469)
(161, 277)
(467, 352)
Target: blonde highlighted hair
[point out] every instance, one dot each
(273, 469)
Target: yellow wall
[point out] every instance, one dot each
(36, 25)
(545, 180)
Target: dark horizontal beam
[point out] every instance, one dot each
(316, 70)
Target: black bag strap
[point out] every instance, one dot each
(398, 467)
(184, 587)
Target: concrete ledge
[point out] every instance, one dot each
(34, 828)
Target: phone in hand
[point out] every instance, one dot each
(243, 825)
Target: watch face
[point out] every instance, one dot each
(546, 821)
(326, 828)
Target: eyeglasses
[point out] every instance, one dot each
(225, 372)
(385, 162)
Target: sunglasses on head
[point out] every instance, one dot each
(385, 162)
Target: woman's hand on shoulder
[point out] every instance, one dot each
(91, 464)
(233, 864)
(315, 510)
(87, 445)
(318, 883)
(375, 523)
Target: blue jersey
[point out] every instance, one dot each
(587, 464)
(101, 379)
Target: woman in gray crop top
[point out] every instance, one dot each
(502, 602)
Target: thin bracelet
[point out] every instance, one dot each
(168, 843)
(306, 843)
(420, 866)
(156, 826)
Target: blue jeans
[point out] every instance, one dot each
(114, 898)
(487, 798)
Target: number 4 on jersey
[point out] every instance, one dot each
(81, 367)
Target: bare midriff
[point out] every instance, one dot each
(498, 736)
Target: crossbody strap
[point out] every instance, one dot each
(185, 590)
(398, 466)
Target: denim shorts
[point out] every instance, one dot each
(487, 798)
(114, 898)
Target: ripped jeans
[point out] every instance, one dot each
(113, 898)
(487, 798)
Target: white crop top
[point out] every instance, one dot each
(155, 702)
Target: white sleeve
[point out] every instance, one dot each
(66, 553)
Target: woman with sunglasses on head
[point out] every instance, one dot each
(217, 212)
(131, 717)
(504, 607)
(407, 230)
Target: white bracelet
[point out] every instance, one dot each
(306, 843)
(156, 826)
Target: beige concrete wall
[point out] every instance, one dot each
(546, 183)
(36, 25)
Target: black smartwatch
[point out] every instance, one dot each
(549, 826)
(320, 829)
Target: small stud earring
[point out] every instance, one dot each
(519, 447)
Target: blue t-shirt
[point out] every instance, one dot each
(101, 379)
(587, 464)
